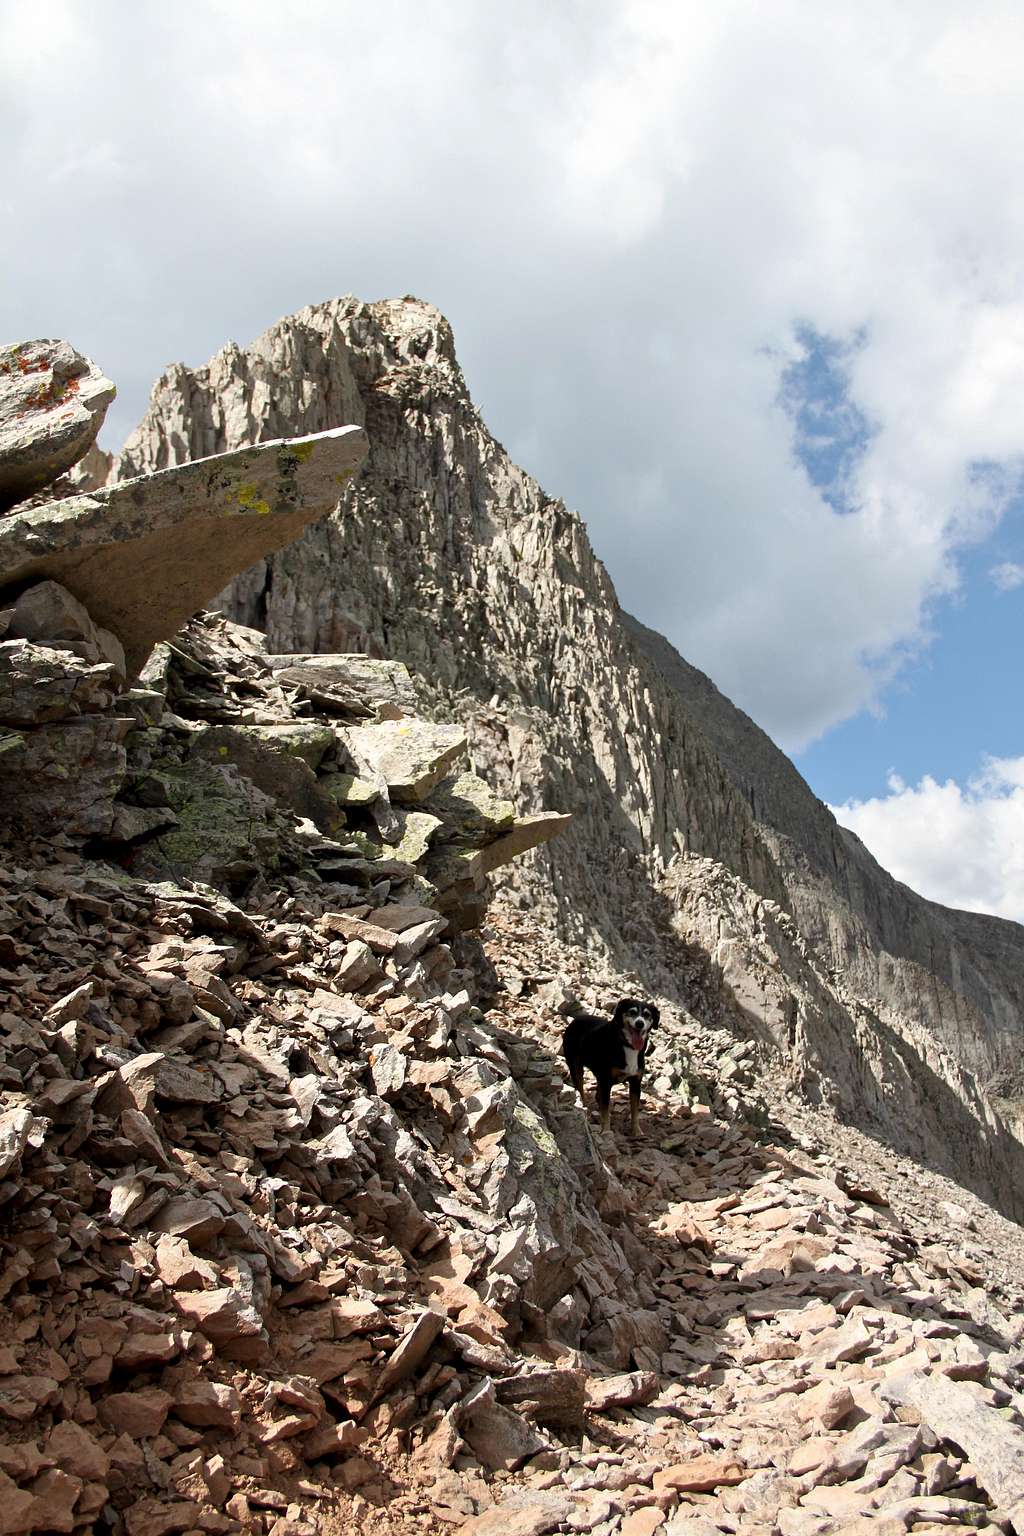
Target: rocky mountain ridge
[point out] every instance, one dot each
(303, 1229)
(448, 556)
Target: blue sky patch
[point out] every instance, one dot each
(830, 432)
(959, 701)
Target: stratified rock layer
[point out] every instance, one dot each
(450, 558)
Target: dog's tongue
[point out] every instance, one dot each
(636, 1039)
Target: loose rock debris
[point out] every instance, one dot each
(248, 1286)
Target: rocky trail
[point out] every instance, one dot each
(287, 1258)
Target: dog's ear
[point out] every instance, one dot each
(620, 1008)
(656, 1012)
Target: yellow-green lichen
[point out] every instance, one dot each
(247, 496)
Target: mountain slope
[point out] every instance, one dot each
(697, 858)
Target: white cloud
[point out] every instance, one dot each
(625, 207)
(959, 845)
(1007, 575)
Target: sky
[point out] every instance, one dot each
(741, 282)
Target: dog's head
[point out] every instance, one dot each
(636, 1020)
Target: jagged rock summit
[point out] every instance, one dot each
(697, 857)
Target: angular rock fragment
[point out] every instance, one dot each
(66, 774)
(500, 1439)
(39, 684)
(552, 1395)
(77, 1452)
(49, 615)
(205, 1404)
(230, 1322)
(409, 756)
(139, 1414)
(411, 1350)
(622, 1391)
(526, 832)
(15, 1126)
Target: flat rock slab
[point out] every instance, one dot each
(529, 1514)
(144, 555)
(52, 404)
(366, 683)
(526, 832)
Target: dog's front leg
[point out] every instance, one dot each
(604, 1100)
(634, 1106)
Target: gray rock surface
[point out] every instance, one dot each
(52, 404)
(144, 556)
(450, 558)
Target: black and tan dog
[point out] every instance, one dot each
(612, 1049)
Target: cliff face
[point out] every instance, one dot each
(697, 857)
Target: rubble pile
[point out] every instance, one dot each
(303, 1228)
(283, 1255)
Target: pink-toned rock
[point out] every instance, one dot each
(222, 1315)
(701, 1474)
(829, 1403)
(810, 1456)
(137, 1414)
(352, 1315)
(54, 1496)
(15, 1507)
(179, 1267)
(143, 1348)
(198, 1221)
(287, 1428)
(534, 1516)
(76, 1451)
(410, 1350)
(329, 1361)
(604, 1392)
(642, 1522)
(331, 1440)
(206, 1404)
(150, 1517)
(497, 1437)
(21, 1397)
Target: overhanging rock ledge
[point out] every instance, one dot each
(144, 555)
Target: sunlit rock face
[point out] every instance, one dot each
(697, 857)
